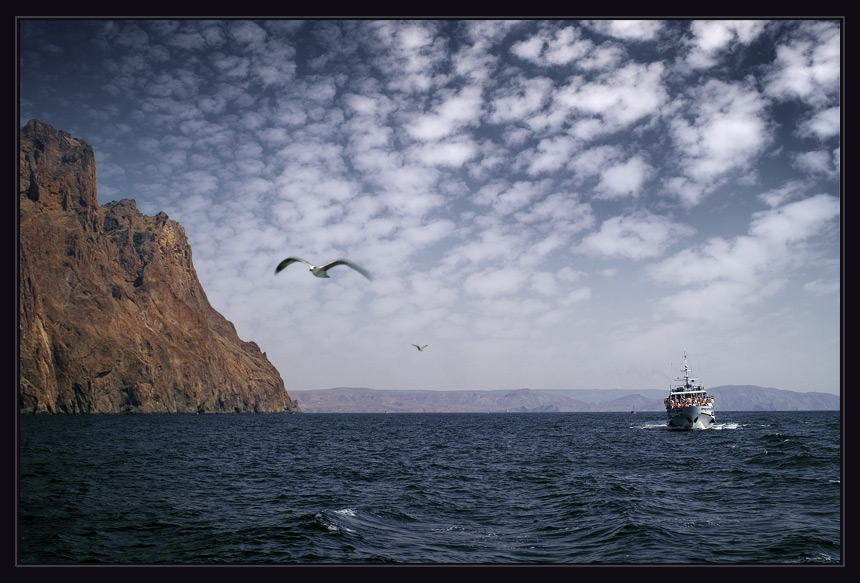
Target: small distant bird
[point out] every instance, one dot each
(321, 270)
(420, 348)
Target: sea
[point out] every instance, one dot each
(759, 488)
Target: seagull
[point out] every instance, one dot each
(420, 348)
(321, 270)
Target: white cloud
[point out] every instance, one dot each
(560, 214)
(455, 111)
(408, 53)
(577, 296)
(491, 244)
(808, 66)
(726, 276)
(518, 99)
(553, 47)
(507, 198)
(711, 37)
(621, 98)
(721, 303)
(784, 193)
(544, 283)
(590, 161)
(632, 29)
(824, 124)
(248, 33)
(796, 221)
(492, 283)
(817, 162)
(724, 132)
(639, 236)
(550, 155)
(624, 179)
(453, 153)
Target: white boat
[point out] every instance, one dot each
(688, 406)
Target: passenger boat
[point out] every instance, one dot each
(688, 406)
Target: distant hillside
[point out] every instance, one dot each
(728, 398)
(753, 398)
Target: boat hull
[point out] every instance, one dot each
(692, 417)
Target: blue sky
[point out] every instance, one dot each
(546, 204)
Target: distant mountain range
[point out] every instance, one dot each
(728, 398)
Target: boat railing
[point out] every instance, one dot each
(688, 402)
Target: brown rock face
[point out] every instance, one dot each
(112, 316)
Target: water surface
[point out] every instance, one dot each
(606, 488)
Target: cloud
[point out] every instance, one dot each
(477, 59)
(247, 33)
(619, 99)
(784, 193)
(720, 304)
(639, 236)
(518, 99)
(824, 124)
(819, 287)
(727, 275)
(817, 162)
(632, 29)
(452, 153)
(508, 198)
(550, 155)
(490, 244)
(796, 221)
(576, 296)
(408, 53)
(722, 133)
(553, 47)
(712, 37)
(624, 179)
(454, 111)
(544, 283)
(495, 282)
(559, 212)
(808, 65)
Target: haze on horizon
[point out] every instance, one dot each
(545, 204)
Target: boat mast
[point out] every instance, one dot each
(687, 372)
(686, 378)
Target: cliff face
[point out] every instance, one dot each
(112, 316)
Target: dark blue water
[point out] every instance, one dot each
(760, 488)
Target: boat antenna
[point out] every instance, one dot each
(671, 366)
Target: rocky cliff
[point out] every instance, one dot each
(112, 316)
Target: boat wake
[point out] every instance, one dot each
(719, 426)
(661, 426)
(649, 426)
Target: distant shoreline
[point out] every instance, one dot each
(729, 398)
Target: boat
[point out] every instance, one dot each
(688, 406)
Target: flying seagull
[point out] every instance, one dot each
(321, 270)
(420, 348)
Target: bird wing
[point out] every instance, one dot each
(287, 261)
(362, 271)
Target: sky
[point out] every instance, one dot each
(546, 204)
